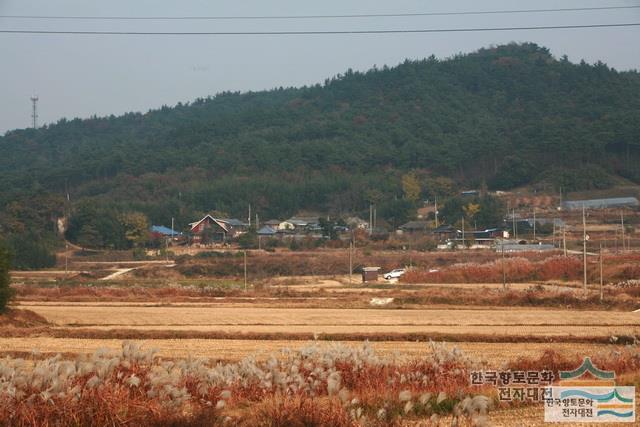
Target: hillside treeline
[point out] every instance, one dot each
(498, 118)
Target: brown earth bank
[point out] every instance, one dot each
(531, 336)
(20, 318)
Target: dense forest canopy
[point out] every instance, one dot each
(502, 117)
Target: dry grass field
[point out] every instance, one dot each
(218, 320)
(495, 354)
(503, 321)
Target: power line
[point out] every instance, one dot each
(369, 15)
(291, 33)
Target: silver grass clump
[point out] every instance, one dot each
(333, 383)
(440, 354)
(424, 398)
(311, 371)
(408, 407)
(405, 396)
(133, 381)
(474, 409)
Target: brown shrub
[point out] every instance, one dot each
(297, 411)
(559, 268)
(516, 269)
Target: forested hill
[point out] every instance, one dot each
(504, 116)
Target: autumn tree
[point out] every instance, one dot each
(411, 187)
(136, 227)
(439, 186)
(471, 210)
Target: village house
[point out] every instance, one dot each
(445, 232)
(160, 231)
(267, 231)
(505, 245)
(273, 223)
(414, 227)
(356, 223)
(286, 226)
(211, 230)
(487, 234)
(238, 226)
(426, 211)
(301, 223)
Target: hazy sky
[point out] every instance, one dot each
(78, 76)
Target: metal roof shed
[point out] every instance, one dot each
(370, 274)
(615, 202)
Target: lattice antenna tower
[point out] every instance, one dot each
(34, 113)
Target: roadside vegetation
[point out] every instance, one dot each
(523, 269)
(337, 386)
(313, 386)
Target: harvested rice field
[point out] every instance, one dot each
(495, 354)
(497, 321)
(184, 333)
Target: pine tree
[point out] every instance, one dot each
(5, 291)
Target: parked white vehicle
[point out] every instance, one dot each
(394, 274)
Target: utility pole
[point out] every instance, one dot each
(34, 113)
(436, 210)
(375, 216)
(245, 271)
(622, 227)
(249, 218)
(601, 277)
(564, 239)
(350, 260)
(584, 249)
(560, 196)
(504, 272)
(370, 219)
(463, 231)
(166, 250)
(534, 223)
(515, 230)
(66, 259)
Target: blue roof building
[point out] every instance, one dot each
(165, 231)
(266, 231)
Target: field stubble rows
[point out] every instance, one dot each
(198, 315)
(497, 321)
(494, 353)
